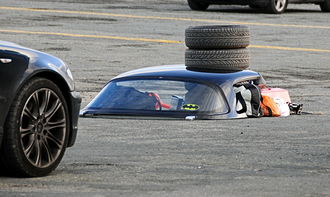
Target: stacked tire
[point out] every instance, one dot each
(220, 47)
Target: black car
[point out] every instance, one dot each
(271, 6)
(39, 111)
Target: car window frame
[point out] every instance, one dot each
(163, 113)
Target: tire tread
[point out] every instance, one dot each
(228, 59)
(217, 37)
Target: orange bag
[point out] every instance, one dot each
(269, 107)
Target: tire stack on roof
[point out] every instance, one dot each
(220, 47)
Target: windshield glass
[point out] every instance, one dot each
(159, 95)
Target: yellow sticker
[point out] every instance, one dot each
(190, 107)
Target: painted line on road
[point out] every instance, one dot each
(89, 36)
(162, 18)
(150, 40)
(290, 48)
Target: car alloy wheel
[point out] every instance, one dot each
(280, 5)
(43, 128)
(36, 130)
(277, 6)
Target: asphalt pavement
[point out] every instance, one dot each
(100, 39)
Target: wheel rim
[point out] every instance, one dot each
(280, 5)
(43, 128)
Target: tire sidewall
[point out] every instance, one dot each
(217, 47)
(217, 37)
(196, 5)
(13, 130)
(325, 6)
(224, 60)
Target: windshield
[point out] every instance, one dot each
(159, 95)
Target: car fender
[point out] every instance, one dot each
(18, 65)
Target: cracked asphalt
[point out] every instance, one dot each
(100, 39)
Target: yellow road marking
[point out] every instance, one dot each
(290, 48)
(150, 40)
(161, 18)
(89, 36)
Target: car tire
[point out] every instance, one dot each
(197, 5)
(277, 6)
(36, 130)
(217, 37)
(226, 60)
(325, 6)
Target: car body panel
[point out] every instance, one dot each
(19, 64)
(253, 2)
(222, 82)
